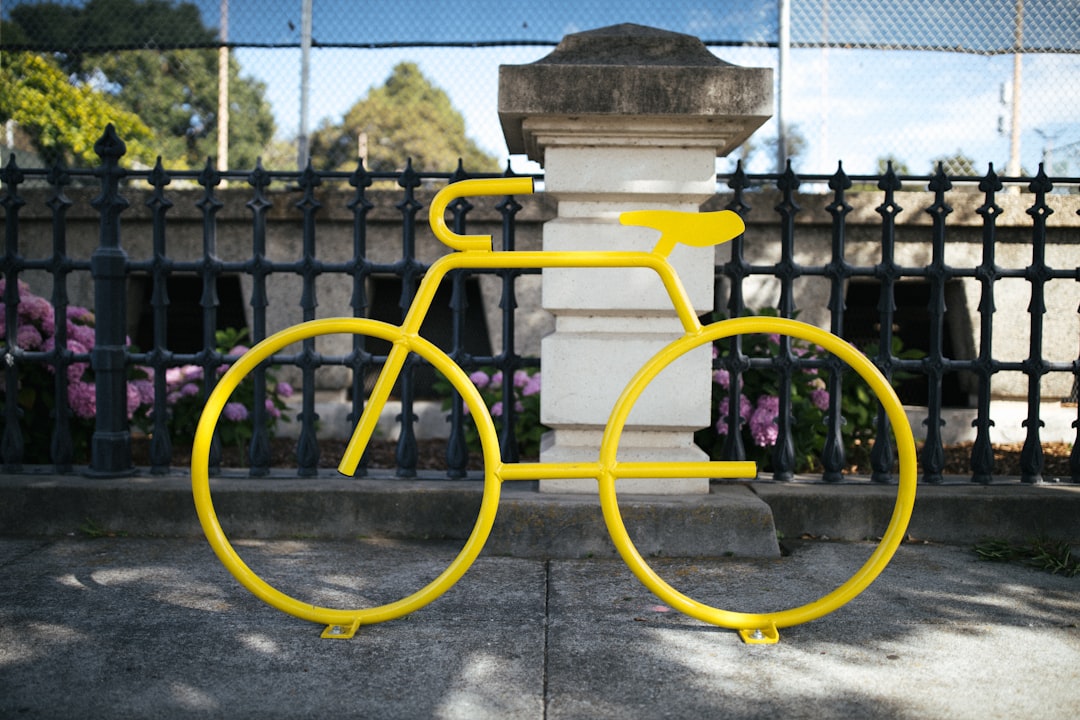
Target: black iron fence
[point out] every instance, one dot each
(116, 396)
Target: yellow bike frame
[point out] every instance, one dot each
(475, 252)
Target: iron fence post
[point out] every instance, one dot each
(987, 273)
(161, 442)
(933, 454)
(411, 269)
(736, 363)
(884, 452)
(307, 448)
(110, 445)
(259, 447)
(833, 455)
(1031, 456)
(360, 359)
(783, 455)
(11, 445)
(457, 450)
(61, 447)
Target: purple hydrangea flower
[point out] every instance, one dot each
(234, 411)
(532, 387)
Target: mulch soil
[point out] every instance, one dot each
(432, 456)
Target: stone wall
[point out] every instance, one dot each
(813, 242)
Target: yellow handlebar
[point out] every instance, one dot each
(480, 186)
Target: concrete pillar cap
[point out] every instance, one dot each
(632, 71)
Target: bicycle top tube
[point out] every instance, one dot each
(689, 228)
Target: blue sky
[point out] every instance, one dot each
(850, 104)
(914, 105)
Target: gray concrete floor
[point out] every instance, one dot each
(157, 628)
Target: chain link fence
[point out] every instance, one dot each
(969, 82)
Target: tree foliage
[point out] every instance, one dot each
(63, 121)
(166, 72)
(406, 118)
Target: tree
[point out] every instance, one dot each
(173, 90)
(898, 166)
(795, 144)
(956, 164)
(406, 118)
(64, 121)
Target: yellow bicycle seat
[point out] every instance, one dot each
(690, 228)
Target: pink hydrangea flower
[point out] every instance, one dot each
(745, 409)
(83, 400)
(763, 425)
(28, 337)
(79, 314)
(82, 334)
(37, 310)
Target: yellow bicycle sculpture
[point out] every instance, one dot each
(475, 252)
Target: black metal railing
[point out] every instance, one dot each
(934, 364)
(110, 267)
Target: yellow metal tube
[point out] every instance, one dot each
(476, 252)
(341, 622)
(468, 188)
(758, 627)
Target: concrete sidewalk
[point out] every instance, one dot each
(156, 628)
(112, 604)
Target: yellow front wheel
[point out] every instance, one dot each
(342, 622)
(761, 627)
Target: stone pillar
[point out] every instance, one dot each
(622, 118)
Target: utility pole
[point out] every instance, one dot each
(223, 89)
(1014, 130)
(305, 81)
(784, 32)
